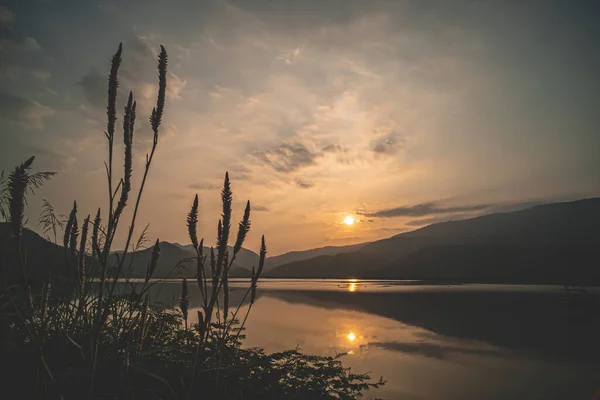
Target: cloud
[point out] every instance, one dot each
(136, 53)
(6, 16)
(287, 158)
(58, 159)
(240, 172)
(138, 70)
(11, 41)
(41, 74)
(358, 95)
(168, 131)
(333, 148)
(175, 86)
(182, 52)
(94, 86)
(240, 177)
(10, 72)
(204, 186)
(432, 350)
(21, 110)
(437, 219)
(260, 208)
(342, 239)
(510, 207)
(467, 213)
(423, 209)
(386, 145)
(137, 74)
(50, 92)
(303, 184)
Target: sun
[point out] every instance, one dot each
(351, 336)
(349, 220)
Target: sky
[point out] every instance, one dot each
(398, 113)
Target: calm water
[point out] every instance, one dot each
(434, 341)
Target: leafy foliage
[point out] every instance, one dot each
(4, 197)
(49, 221)
(13, 191)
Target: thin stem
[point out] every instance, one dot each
(33, 339)
(26, 293)
(215, 293)
(132, 225)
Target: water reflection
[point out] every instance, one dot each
(432, 341)
(418, 363)
(353, 285)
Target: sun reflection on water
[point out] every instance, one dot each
(353, 285)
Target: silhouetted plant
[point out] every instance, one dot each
(19, 182)
(90, 333)
(49, 221)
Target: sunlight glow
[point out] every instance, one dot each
(351, 337)
(349, 220)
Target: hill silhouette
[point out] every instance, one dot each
(301, 255)
(553, 243)
(42, 256)
(176, 261)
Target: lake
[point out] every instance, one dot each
(433, 341)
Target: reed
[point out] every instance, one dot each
(90, 332)
(49, 221)
(184, 302)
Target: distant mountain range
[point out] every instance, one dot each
(175, 259)
(293, 256)
(40, 256)
(178, 261)
(553, 243)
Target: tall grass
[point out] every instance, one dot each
(87, 332)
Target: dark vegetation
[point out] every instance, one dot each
(71, 328)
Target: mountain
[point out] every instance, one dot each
(552, 243)
(178, 261)
(344, 265)
(173, 253)
(302, 255)
(569, 222)
(245, 258)
(40, 256)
